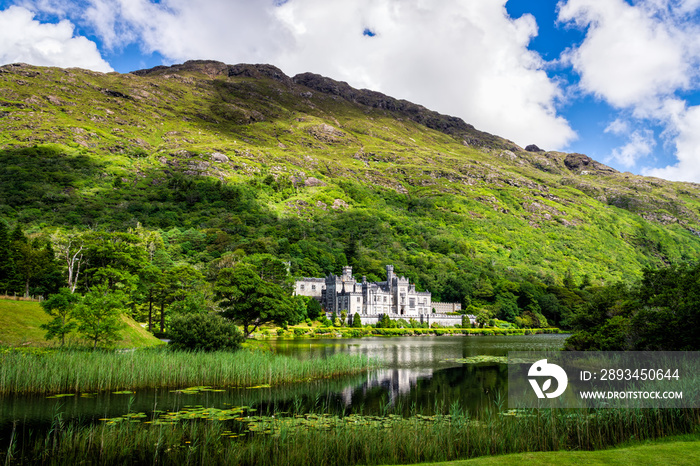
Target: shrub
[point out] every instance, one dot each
(299, 332)
(204, 332)
(356, 321)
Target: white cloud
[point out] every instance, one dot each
(23, 39)
(641, 58)
(467, 59)
(464, 58)
(641, 143)
(687, 142)
(630, 54)
(618, 127)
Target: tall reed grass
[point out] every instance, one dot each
(401, 440)
(62, 371)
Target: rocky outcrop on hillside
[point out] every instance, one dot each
(451, 125)
(308, 83)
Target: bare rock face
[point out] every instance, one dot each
(312, 182)
(259, 71)
(533, 148)
(575, 162)
(210, 68)
(219, 157)
(583, 164)
(326, 133)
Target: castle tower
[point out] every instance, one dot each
(389, 274)
(347, 273)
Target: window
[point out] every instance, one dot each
(358, 299)
(313, 287)
(412, 302)
(384, 298)
(301, 287)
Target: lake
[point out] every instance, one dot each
(421, 374)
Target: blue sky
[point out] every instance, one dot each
(614, 79)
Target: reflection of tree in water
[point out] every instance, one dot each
(473, 387)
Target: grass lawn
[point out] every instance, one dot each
(20, 321)
(677, 450)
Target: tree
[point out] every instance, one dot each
(270, 268)
(668, 316)
(482, 318)
(120, 251)
(177, 285)
(32, 261)
(60, 306)
(251, 301)
(149, 281)
(203, 332)
(69, 248)
(356, 322)
(100, 315)
(313, 309)
(384, 321)
(6, 263)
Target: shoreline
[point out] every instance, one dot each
(350, 332)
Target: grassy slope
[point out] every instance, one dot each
(427, 194)
(20, 321)
(684, 450)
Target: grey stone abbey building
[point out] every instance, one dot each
(395, 297)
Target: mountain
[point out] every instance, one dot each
(223, 158)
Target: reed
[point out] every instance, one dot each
(62, 371)
(334, 441)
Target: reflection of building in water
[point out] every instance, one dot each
(395, 381)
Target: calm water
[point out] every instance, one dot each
(420, 374)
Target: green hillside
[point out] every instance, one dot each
(217, 159)
(20, 321)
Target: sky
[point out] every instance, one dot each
(617, 80)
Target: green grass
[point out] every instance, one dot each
(672, 451)
(61, 371)
(20, 321)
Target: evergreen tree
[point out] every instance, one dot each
(32, 261)
(356, 322)
(6, 262)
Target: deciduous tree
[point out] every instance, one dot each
(251, 301)
(100, 315)
(61, 306)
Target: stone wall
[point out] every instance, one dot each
(442, 319)
(442, 308)
(309, 287)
